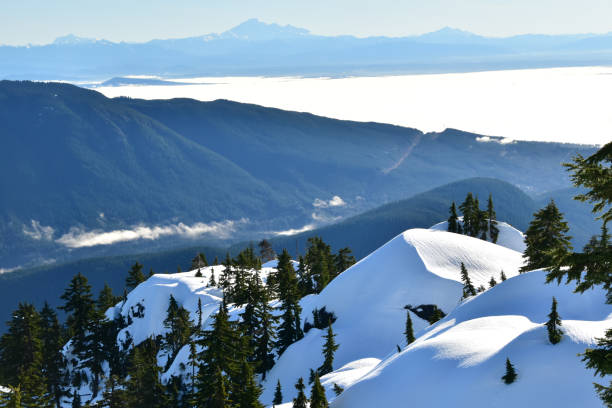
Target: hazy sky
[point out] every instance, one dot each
(41, 21)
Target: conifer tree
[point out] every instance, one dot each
(305, 284)
(436, 315)
(492, 222)
(219, 397)
(317, 395)
(492, 282)
(320, 262)
(53, 362)
(592, 267)
(453, 219)
(290, 327)
(198, 274)
(144, 388)
(329, 348)
(468, 287)
(21, 356)
(199, 261)
(106, 299)
(409, 331)
(342, 261)
(135, 277)
(225, 281)
(211, 281)
(546, 239)
(338, 389)
(179, 327)
(502, 276)
(11, 398)
(81, 311)
(470, 210)
(278, 394)
(264, 331)
(510, 375)
(300, 401)
(114, 394)
(245, 391)
(552, 325)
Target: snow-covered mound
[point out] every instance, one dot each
(464, 354)
(508, 237)
(419, 266)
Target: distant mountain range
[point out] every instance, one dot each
(80, 172)
(257, 48)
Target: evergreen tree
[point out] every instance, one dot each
(11, 398)
(546, 239)
(305, 284)
(468, 287)
(329, 348)
(502, 276)
(492, 223)
(338, 389)
(317, 395)
(198, 274)
(179, 328)
(106, 299)
(211, 281)
(342, 261)
(469, 209)
(114, 395)
(290, 327)
(552, 325)
(199, 261)
(193, 365)
(225, 281)
(21, 356)
(300, 401)
(144, 388)
(219, 397)
(320, 262)
(53, 362)
(278, 394)
(510, 375)
(453, 219)
(592, 267)
(81, 311)
(263, 333)
(223, 348)
(409, 331)
(266, 251)
(135, 277)
(245, 391)
(492, 282)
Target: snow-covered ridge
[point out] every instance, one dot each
(508, 237)
(463, 354)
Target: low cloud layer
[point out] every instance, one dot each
(336, 201)
(294, 231)
(486, 139)
(38, 232)
(79, 238)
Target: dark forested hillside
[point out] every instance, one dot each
(72, 158)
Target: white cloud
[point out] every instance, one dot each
(79, 238)
(294, 231)
(336, 201)
(38, 231)
(500, 140)
(483, 139)
(7, 270)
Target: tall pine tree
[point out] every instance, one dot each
(546, 239)
(135, 276)
(552, 325)
(300, 401)
(329, 348)
(468, 287)
(290, 327)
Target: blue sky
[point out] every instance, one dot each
(40, 21)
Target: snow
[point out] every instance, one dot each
(508, 237)
(463, 355)
(417, 267)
